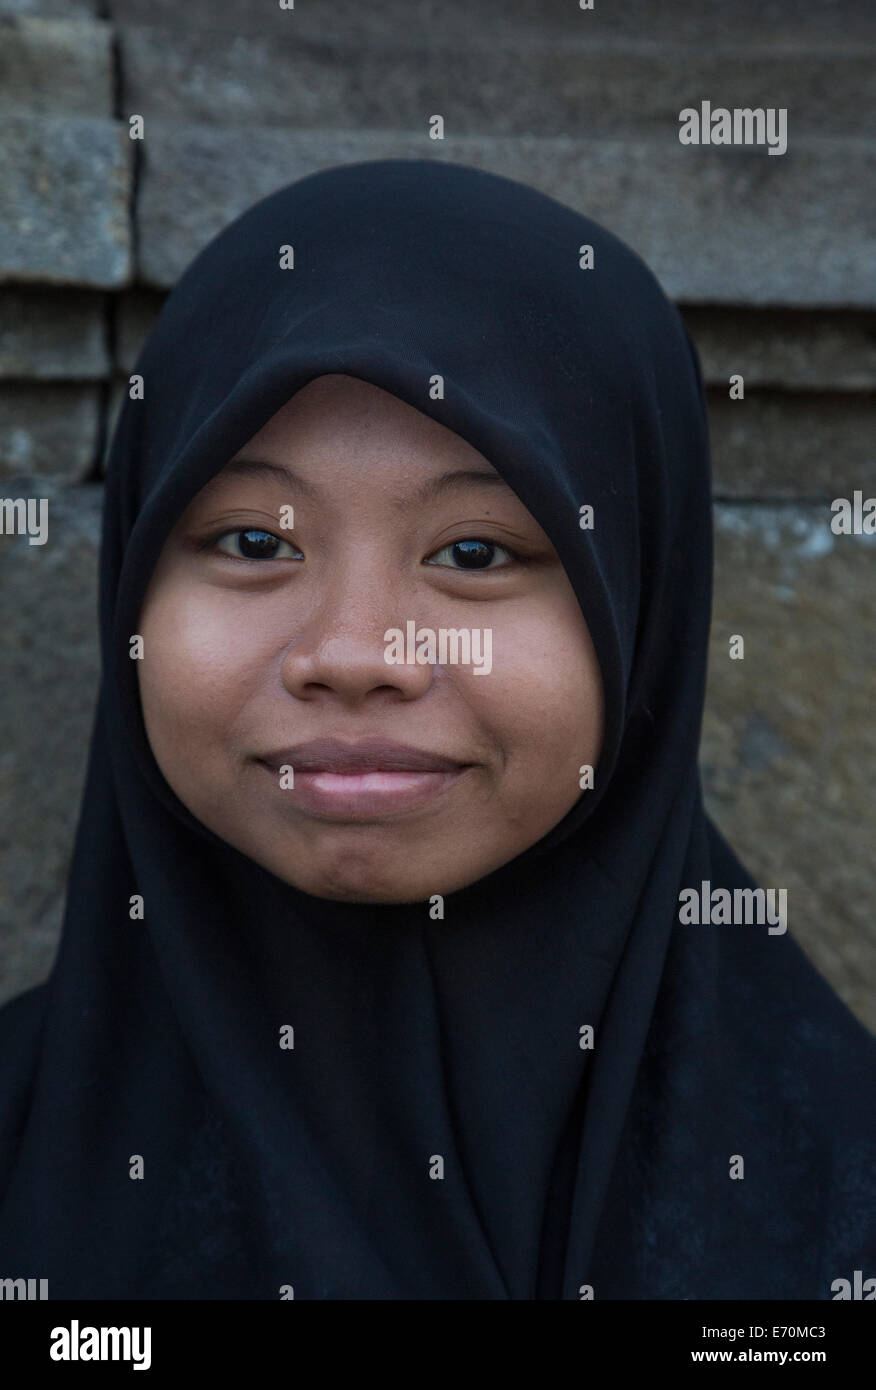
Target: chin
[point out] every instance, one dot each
(385, 890)
(359, 884)
(361, 893)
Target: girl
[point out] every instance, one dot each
(374, 981)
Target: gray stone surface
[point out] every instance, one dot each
(789, 742)
(64, 190)
(49, 656)
(496, 85)
(833, 23)
(48, 429)
(60, 9)
(52, 334)
(717, 225)
(793, 445)
(787, 349)
(56, 66)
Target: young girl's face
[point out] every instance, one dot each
(260, 638)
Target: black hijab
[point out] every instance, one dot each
(564, 1166)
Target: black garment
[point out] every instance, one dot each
(413, 1038)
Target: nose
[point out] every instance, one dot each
(339, 649)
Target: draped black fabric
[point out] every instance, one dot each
(563, 1166)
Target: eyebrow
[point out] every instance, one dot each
(429, 491)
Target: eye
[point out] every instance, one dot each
(470, 554)
(253, 544)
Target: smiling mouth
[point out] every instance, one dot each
(366, 793)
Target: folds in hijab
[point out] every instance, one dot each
(566, 1169)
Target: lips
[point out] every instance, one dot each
(372, 780)
(367, 755)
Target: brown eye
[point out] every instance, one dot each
(470, 554)
(254, 544)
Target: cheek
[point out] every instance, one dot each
(545, 688)
(197, 664)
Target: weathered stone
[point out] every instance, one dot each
(694, 22)
(789, 743)
(785, 348)
(739, 226)
(792, 445)
(51, 334)
(58, 66)
(49, 656)
(62, 9)
(48, 429)
(552, 87)
(64, 189)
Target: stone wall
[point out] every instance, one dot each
(770, 258)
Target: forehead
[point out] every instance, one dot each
(340, 435)
(355, 413)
